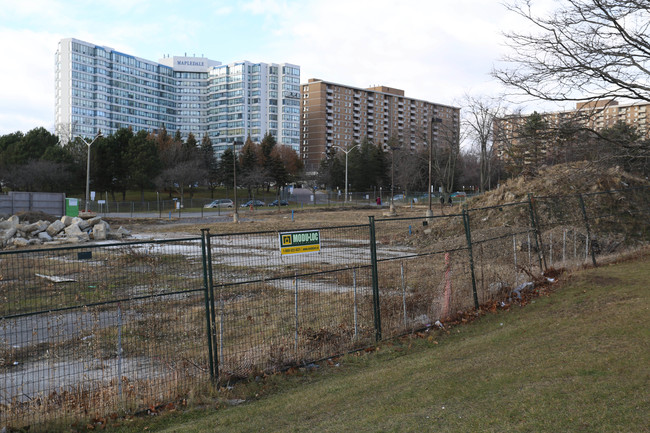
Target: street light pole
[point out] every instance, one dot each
(430, 211)
(99, 134)
(434, 120)
(393, 148)
(235, 216)
(346, 167)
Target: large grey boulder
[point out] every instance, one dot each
(45, 237)
(20, 242)
(8, 229)
(66, 220)
(6, 234)
(74, 234)
(34, 228)
(100, 231)
(119, 234)
(55, 228)
(94, 220)
(11, 222)
(82, 223)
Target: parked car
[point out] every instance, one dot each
(459, 194)
(222, 202)
(255, 203)
(280, 203)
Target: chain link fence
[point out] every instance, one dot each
(121, 327)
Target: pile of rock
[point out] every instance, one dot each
(14, 233)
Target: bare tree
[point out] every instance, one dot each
(585, 50)
(37, 175)
(181, 176)
(478, 123)
(442, 141)
(410, 170)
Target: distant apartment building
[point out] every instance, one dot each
(339, 116)
(100, 89)
(596, 115)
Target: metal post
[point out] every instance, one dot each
(430, 169)
(119, 350)
(584, 216)
(205, 233)
(375, 279)
(346, 151)
(404, 297)
(514, 251)
(356, 312)
(346, 176)
(538, 236)
(468, 236)
(99, 134)
(235, 215)
(295, 283)
(433, 128)
(221, 326)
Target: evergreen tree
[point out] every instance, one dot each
(143, 162)
(210, 164)
(109, 168)
(189, 149)
(226, 167)
(251, 172)
(533, 139)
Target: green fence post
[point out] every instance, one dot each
(375, 279)
(584, 216)
(468, 236)
(538, 235)
(205, 238)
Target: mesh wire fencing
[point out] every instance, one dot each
(119, 327)
(272, 310)
(97, 330)
(586, 228)
(504, 250)
(422, 277)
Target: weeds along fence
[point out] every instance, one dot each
(116, 328)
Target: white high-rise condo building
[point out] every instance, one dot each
(101, 89)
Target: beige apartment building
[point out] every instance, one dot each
(336, 116)
(595, 115)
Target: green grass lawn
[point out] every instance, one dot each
(575, 361)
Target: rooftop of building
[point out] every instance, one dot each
(391, 91)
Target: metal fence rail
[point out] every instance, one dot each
(99, 329)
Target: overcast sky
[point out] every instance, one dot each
(436, 50)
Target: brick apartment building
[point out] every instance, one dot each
(335, 115)
(595, 115)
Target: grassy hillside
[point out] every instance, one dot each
(575, 360)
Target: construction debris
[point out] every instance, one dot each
(15, 233)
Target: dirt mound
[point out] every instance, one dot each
(34, 216)
(561, 179)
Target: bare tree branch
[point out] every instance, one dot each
(587, 49)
